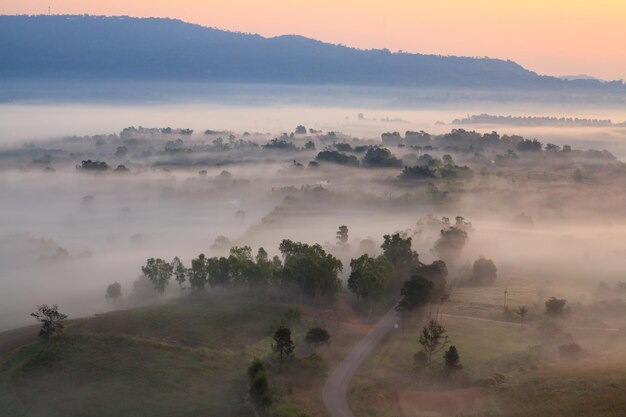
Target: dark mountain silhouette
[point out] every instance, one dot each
(123, 48)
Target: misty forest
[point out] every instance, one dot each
(303, 250)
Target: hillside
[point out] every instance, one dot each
(124, 48)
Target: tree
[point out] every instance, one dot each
(311, 269)
(380, 158)
(259, 386)
(452, 362)
(283, 345)
(484, 272)
(450, 243)
(180, 272)
(114, 292)
(522, 311)
(158, 272)
(317, 336)
(433, 339)
(51, 320)
(398, 251)
(555, 306)
(342, 235)
(415, 293)
(369, 278)
(436, 272)
(198, 273)
(217, 271)
(241, 265)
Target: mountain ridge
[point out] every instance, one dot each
(122, 47)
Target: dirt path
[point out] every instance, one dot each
(13, 339)
(335, 390)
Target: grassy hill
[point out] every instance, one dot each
(182, 359)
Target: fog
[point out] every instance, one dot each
(66, 234)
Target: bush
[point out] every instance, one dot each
(484, 272)
(570, 350)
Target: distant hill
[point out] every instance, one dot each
(124, 48)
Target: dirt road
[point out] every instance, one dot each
(335, 390)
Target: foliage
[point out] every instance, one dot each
(342, 235)
(180, 272)
(381, 158)
(114, 291)
(555, 306)
(311, 269)
(158, 272)
(433, 339)
(317, 336)
(417, 173)
(370, 277)
(259, 386)
(398, 251)
(452, 361)
(416, 292)
(450, 243)
(484, 272)
(337, 157)
(51, 320)
(283, 345)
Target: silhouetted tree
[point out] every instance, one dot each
(51, 320)
(317, 336)
(369, 278)
(555, 306)
(522, 311)
(452, 361)
(114, 292)
(342, 235)
(259, 385)
(283, 345)
(484, 272)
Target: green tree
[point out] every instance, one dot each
(433, 339)
(369, 278)
(416, 293)
(218, 271)
(242, 268)
(311, 269)
(259, 385)
(452, 361)
(398, 251)
(51, 320)
(158, 272)
(283, 345)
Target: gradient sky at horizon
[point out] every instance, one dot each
(555, 37)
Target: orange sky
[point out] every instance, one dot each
(559, 37)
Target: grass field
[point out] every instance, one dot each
(182, 359)
(504, 375)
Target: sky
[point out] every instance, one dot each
(555, 37)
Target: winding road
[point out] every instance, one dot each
(335, 393)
